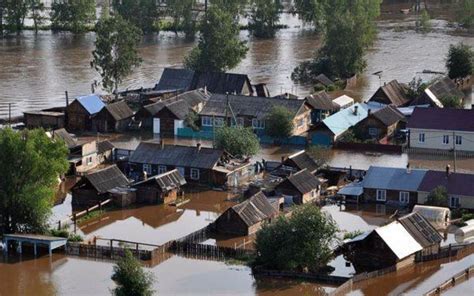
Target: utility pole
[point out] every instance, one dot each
(9, 114)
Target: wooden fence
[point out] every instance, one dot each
(439, 152)
(382, 148)
(456, 250)
(105, 252)
(455, 280)
(320, 278)
(72, 219)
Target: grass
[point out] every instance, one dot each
(91, 215)
(244, 259)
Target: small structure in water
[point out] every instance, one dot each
(34, 240)
(163, 188)
(301, 188)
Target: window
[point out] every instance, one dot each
(258, 123)
(300, 122)
(206, 121)
(218, 121)
(458, 140)
(404, 197)
(162, 169)
(147, 169)
(421, 137)
(454, 202)
(195, 174)
(314, 193)
(373, 132)
(89, 160)
(240, 121)
(446, 139)
(381, 195)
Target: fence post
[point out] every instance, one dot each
(75, 222)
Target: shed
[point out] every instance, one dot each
(163, 188)
(62, 134)
(44, 119)
(323, 79)
(344, 101)
(105, 151)
(52, 242)
(321, 106)
(392, 93)
(80, 112)
(113, 117)
(382, 123)
(423, 232)
(294, 163)
(436, 91)
(301, 187)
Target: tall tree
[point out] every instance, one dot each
(183, 15)
(141, 13)
(233, 7)
(14, 15)
(28, 182)
(238, 141)
(264, 16)
(72, 15)
(130, 278)
(438, 197)
(311, 11)
(219, 48)
(115, 55)
(36, 8)
(465, 13)
(279, 123)
(460, 61)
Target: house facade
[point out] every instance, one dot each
(80, 112)
(392, 93)
(161, 189)
(113, 117)
(322, 106)
(300, 188)
(382, 123)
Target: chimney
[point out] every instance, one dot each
(205, 90)
(198, 145)
(356, 110)
(408, 168)
(448, 170)
(162, 142)
(67, 98)
(145, 175)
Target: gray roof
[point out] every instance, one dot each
(444, 87)
(176, 79)
(166, 181)
(323, 79)
(119, 110)
(302, 160)
(66, 137)
(258, 107)
(421, 229)
(393, 178)
(255, 209)
(180, 156)
(389, 115)
(104, 146)
(395, 92)
(303, 181)
(180, 104)
(107, 179)
(322, 101)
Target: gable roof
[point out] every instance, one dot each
(258, 107)
(443, 87)
(442, 119)
(398, 239)
(180, 156)
(255, 209)
(166, 181)
(302, 161)
(66, 137)
(92, 103)
(303, 181)
(322, 101)
(340, 122)
(106, 179)
(420, 229)
(176, 79)
(323, 79)
(388, 115)
(455, 183)
(119, 110)
(393, 178)
(395, 93)
(343, 101)
(104, 146)
(188, 100)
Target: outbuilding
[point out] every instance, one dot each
(113, 117)
(163, 188)
(300, 188)
(80, 112)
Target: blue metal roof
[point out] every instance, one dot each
(92, 103)
(393, 178)
(341, 121)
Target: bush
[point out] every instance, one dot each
(130, 277)
(238, 141)
(438, 197)
(352, 234)
(279, 123)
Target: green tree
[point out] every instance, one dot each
(72, 15)
(465, 13)
(233, 7)
(183, 16)
(115, 55)
(131, 278)
(438, 197)
(302, 241)
(238, 141)
(264, 16)
(219, 48)
(311, 11)
(452, 102)
(141, 13)
(279, 123)
(460, 61)
(425, 21)
(36, 8)
(416, 87)
(14, 15)
(29, 181)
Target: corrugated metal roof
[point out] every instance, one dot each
(107, 179)
(393, 178)
(322, 101)
(352, 189)
(421, 230)
(92, 103)
(398, 239)
(303, 161)
(119, 110)
(166, 181)
(341, 121)
(255, 209)
(304, 181)
(455, 183)
(442, 119)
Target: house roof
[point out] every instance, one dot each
(180, 156)
(443, 87)
(442, 119)
(92, 103)
(303, 161)
(323, 79)
(106, 179)
(104, 146)
(455, 183)
(322, 101)
(352, 189)
(340, 122)
(166, 181)
(119, 110)
(66, 137)
(389, 115)
(304, 181)
(395, 92)
(255, 209)
(421, 229)
(343, 100)
(398, 239)
(258, 107)
(393, 178)
(176, 79)
(182, 103)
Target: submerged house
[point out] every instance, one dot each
(438, 90)
(94, 187)
(321, 105)
(196, 164)
(382, 123)
(163, 188)
(113, 117)
(300, 188)
(48, 119)
(294, 163)
(392, 93)
(80, 112)
(247, 217)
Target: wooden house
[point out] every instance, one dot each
(322, 106)
(113, 117)
(392, 93)
(80, 112)
(300, 188)
(247, 217)
(94, 187)
(382, 123)
(295, 163)
(105, 151)
(45, 119)
(438, 90)
(196, 164)
(163, 188)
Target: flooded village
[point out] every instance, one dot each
(189, 172)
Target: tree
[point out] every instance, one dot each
(115, 55)
(37, 8)
(465, 13)
(28, 182)
(238, 141)
(219, 48)
(14, 15)
(141, 13)
(311, 11)
(460, 61)
(279, 123)
(416, 87)
(452, 102)
(264, 16)
(73, 15)
(233, 7)
(438, 197)
(424, 22)
(183, 16)
(130, 277)
(302, 241)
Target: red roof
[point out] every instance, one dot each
(455, 183)
(442, 119)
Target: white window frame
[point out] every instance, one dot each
(381, 195)
(373, 131)
(458, 140)
(446, 139)
(89, 160)
(453, 204)
(421, 137)
(148, 169)
(195, 174)
(258, 123)
(218, 121)
(206, 121)
(240, 121)
(162, 169)
(404, 197)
